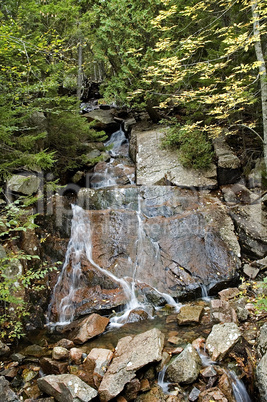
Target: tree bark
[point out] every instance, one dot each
(262, 72)
(79, 75)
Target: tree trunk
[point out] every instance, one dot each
(262, 72)
(79, 76)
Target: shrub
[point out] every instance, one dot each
(194, 148)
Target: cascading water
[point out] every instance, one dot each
(119, 144)
(80, 245)
(239, 389)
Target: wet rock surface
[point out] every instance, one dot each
(169, 238)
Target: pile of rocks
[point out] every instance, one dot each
(141, 367)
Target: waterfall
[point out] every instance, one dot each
(80, 245)
(117, 139)
(204, 293)
(239, 389)
(163, 384)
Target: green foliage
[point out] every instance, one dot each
(261, 301)
(68, 134)
(194, 148)
(19, 271)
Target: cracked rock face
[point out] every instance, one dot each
(173, 240)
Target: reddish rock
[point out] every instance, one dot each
(137, 315)
(212, 394)
(131, 389)
(76, 355)
(144, 385)
(50, 366)
(222, 311)
(198, 343)
(100, 360)
(90, 327)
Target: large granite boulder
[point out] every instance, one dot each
(24, 184)
(172, 240)
(132, 353)
(155, 165)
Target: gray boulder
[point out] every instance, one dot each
(261, 377)
(155, 165)
(24, 184)
(66, 388)
(132, 353)
(229, 165)
(221, 339)
(251, 224)
(262, 340)
(6, 393)
(4, 349)
(103, 118)
(184, 368)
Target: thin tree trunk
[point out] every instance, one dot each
(79, 76)
(262, 71)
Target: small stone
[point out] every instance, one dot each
(34, 350)
(76, 355)
(177, 351)
(185, 367)
(208, 372)
(65, 343)
(228, 294)
(212, 394)
(66, 387)
(250, 271)
(174, 340)
(17, 357)
(90, 327)
(50, 366)
(144, 385)
(28, 375)
(60, 353)
(194, 394)
(189, 315)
